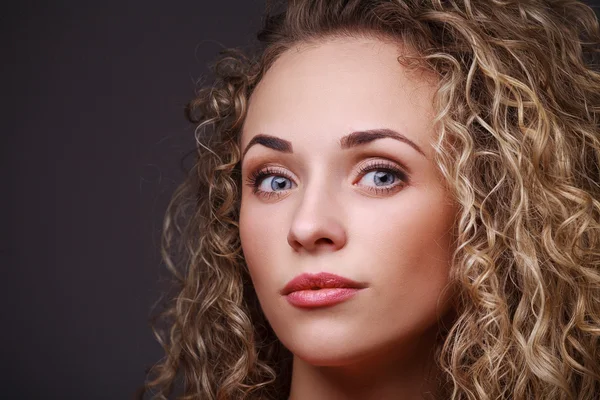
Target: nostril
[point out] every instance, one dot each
(318, 235)
(324, 241)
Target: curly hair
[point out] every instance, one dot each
(518, 142)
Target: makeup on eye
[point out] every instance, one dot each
(386, 177)
(256, 178)
(381, 173)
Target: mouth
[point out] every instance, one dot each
(319, 281)
(320, 290)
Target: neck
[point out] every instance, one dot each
(409, 374)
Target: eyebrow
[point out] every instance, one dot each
(363, 137)
(351, 140)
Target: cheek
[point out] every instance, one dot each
(409, 247)
(252, 230)
(415, 226)
(261, 239)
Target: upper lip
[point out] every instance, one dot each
(319, 281)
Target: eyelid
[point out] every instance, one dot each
(375, 163)
(258, 174)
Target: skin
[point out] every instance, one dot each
(328, 216)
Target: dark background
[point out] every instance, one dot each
(93, 131)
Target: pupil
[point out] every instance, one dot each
(278, 183)
(383, 177)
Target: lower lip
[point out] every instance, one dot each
(321, 297)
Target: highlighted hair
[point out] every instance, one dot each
(518, 142)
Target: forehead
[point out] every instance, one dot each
(323, 91)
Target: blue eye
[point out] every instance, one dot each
(270, 181)
(380, 178)
(274, 183)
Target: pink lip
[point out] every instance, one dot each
(320, 290)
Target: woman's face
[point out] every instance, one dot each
(339, 179)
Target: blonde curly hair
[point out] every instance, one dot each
(518, 142)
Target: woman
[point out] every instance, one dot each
(393, 199)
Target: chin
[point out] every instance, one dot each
(330, 346)
(325, 355)
(318, 343)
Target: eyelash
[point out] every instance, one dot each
(256, 177)
(385, 167)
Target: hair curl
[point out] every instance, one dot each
(518, 141)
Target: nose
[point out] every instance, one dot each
(317, 224)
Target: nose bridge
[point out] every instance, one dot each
(318, 217)
(316, 203)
